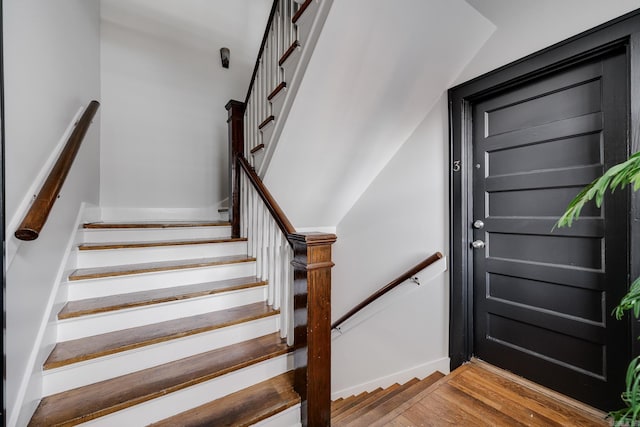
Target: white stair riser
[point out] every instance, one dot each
(305, 22)
(277, 102)
(267, 131)
(288, 418)
(111, 366)
(153, 234)
(93, 288)
(85, 326)
(290, 65)
(126, 256)
(191, 397)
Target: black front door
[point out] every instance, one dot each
(542, 298)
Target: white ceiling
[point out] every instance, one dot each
(236, 24)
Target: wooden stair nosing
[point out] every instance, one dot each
(157, 296)
(383, 413)
(346, 417)
(243, 408)
(288, 52)
(154, 224)
(155, 267)
(300, 11)
(354, 400)
(95, 400)
(257, 148)
(92, 347)
(371, 397)
(337, 406)
(266, 121)
(277, 90)
(159, 243)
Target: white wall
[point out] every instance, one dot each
(402, 216)
(525, 26)
(377, 69)
(51, 60)
(399, 221)
(164, 128)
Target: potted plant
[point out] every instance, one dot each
(618, 176)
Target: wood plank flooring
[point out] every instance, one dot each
(478, 394)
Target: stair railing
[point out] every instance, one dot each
(407, 275)
(288, 40)
(38, 213)
(297, 267)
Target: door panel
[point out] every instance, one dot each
(543, 297)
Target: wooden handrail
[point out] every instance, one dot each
(39, 211)
(390, 286)
(278, 215)
(274, 7)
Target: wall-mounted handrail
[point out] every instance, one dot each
(278, 215)
(387, 288)
(38, 213)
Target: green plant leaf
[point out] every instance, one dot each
(618, 176)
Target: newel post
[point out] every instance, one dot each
(312, 316)
(235, 123)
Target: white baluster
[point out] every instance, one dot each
(275, 265)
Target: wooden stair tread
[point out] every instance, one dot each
(372, 413)
(372, 395)
(345, 417)
(155, 296)
(68, 352)
(352, 401)
(153, 244)
(155, 224)
(300, 11)
(152, 267)
(92, 401)
(337, 406)
(243, 408)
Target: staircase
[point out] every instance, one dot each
(366, 408)
(167, 324)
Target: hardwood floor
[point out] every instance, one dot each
(478, 394)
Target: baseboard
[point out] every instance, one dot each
(401, 377)
(209, 213)
(29, 392)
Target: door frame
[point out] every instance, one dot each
(623, 31)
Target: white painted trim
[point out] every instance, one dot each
(12, 243)
(290, 417)
(419, 371)
(191, 397)
(326, 229)
(114, 365)
(425, 276)
(102, 323)
(208, 213)
(35, 360)
(127, 256)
